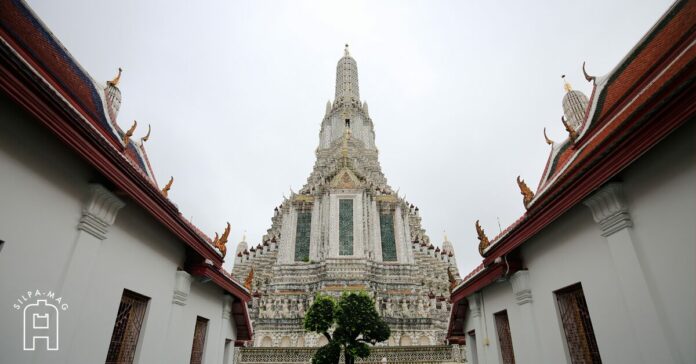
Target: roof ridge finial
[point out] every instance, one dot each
(346, 53)
(114, 82)
(566, 85)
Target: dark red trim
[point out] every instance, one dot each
(31, 93)
(221, 279)
(488, 275)
(455, 333)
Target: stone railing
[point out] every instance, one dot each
(397, 354)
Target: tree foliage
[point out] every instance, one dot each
(355, 323)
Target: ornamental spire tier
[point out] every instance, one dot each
(346, 229)
(347, 111)
(347, 78)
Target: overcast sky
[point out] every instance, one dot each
(459, 93)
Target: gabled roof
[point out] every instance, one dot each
(38, 73)
(647, 96)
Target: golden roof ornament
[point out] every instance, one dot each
(483, 239)
(249, 279)
(587, 77)
(527, 194)
(116, 79)
(572, 134)
(221, 243)
(548, 141)
(129, 133)
(147, 136)
(167, 187)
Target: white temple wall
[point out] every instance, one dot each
(567, 252)
(496, 299)
(43, 190)
(660, 191)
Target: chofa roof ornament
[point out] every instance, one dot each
(129, 134)
(114, 82)
(167, 187)
(548, 141)
(147, 136)
(587, 77)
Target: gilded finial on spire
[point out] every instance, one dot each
(548, 141)
(527, 194)
(129, 133)
(483, 239)
(571, 132)
(167, 187)
(345, 51)
(114, 82)
(147, 136)
(566, 85)
(587, 77)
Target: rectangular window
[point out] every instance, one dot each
(345, 227)
(386, 228)
(199, 340)
(129, 320)
(580, 338)
(502, 325)
(304, 228)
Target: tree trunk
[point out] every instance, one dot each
(349, 358)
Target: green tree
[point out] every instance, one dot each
(355, 323)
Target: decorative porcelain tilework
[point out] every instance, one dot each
(304, 226)
(345, 227)
(386, 227)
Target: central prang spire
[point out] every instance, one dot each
(347, 78)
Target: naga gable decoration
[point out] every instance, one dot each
(221, 243)
(483, 239)
(527, 194)
(129, 134)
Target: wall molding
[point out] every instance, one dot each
(609, 209)
(99, 212)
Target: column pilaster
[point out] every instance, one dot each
(98, 214)
(522, 290)
(611, 213)
(176, 325)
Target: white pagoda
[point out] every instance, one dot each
(347, 230)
